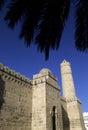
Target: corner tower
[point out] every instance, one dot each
(46, 107)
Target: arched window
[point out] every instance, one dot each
(54, 118)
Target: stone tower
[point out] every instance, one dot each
(46, 107)
(74, 111)
(67, 81)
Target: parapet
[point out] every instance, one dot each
(45, 76)
(12, 75)
(45, 72)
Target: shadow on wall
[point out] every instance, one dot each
(2, 87)
(66, 123)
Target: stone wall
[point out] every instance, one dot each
(75, 115)
(65, 118)
(15, 100)
(53, 105)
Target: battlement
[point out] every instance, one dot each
(44, 72)
(12, 75)
(45, 76)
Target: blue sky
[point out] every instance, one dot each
(28, 61)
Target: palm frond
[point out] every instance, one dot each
(1, 3)
(31, 20)
(52, 25)
(46, 16)
(17, 8)
(81, 33)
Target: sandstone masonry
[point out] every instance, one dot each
(36, 104)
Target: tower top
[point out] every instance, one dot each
(45, 71)
(64, 62)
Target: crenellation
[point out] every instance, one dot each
(23, 77)
(12, 75)
(7, 69)
(18, 75)
(12, 72)
(1, 66)
(45, 76)
(44, 73)
(27, 80)
(39, 80)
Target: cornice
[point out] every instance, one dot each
(14, 76)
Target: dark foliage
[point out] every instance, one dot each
(44, 20)
(81, 33)
(1, 3)
(46, 16)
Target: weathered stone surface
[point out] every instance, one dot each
(15, 102)
(36, 104)
(73, 105)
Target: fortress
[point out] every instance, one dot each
(36, 104)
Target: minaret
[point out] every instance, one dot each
(73, 104)
(67, 81)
